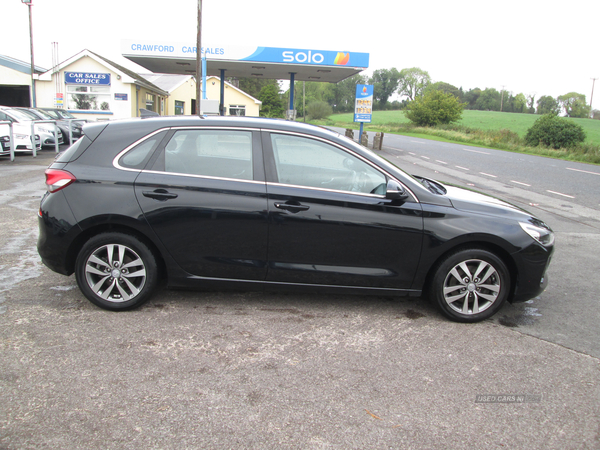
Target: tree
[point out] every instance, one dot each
(434, 108)
(574, 105)
(446, 88)
(520, 102)
(318, 110)
(489, 100)
(344, 92)
(253, 86)
(556, 132)
(413, 82)
(385, 82)
(471, 97)
(272, 104)
(530, 102)
(547, 105)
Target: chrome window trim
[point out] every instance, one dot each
(268, 130)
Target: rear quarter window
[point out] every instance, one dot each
(74, 151)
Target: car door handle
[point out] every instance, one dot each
(292, 207)
(159, 194)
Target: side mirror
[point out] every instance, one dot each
(395, 191)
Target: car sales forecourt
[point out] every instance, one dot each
(271, 370)
(270, 340)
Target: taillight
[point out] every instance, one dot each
(58, 179)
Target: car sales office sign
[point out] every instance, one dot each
(363, 106)
(98, 79)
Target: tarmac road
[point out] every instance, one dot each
(236, 370)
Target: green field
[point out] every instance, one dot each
(485, 120)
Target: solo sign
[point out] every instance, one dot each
(363, 106)
(87, 78)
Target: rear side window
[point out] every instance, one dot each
(138, 156)
(210, 153)
(74, 151)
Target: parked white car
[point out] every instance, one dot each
(22, 126)
(21, 135)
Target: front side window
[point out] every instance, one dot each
(312, 163)
(211, 153)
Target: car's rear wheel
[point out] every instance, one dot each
(116, 271)
(470, 285)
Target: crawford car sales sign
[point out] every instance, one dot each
(87, 78)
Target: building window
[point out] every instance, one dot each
(88, 97)
(237, 110)
(179, 107)
(150, 102)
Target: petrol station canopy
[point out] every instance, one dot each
(247, 62)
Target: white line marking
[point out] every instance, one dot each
(411, 153)
(441, 162)
(418, 142)
(558, 193)
(426, 157)
(488, 175)
(522, 184)
(584, 171)
(463, 168)
(475, 151)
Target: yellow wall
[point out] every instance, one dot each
(184, 93)
(233, 96)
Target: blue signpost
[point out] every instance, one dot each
(363, 106)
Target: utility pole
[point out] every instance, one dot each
(199, 60)
(501, 98)
(30, 4)
(592, 97)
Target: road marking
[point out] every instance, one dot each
(518, 182)
(558, 193)
(418, 142)
(426, 157)
(441, 162)
(411, 153)
(584, 171)
(475, 151)
(463, 168)
(488, 175)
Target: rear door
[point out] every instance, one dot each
(204, 195)
(329, 220)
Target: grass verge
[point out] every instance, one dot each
(502, 139)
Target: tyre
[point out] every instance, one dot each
(116, 271)
(470, 285)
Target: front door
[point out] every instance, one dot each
(330, 222)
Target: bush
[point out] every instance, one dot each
(318, 110)
(556, 132)
(434, 108)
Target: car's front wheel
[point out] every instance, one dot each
(116, 271)
(470, 285)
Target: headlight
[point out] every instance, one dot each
(540, 233)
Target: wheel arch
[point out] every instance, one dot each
(95, 230)
(480, 245)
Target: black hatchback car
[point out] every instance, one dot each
(267, 204)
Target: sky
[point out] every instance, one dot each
(529, 46)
